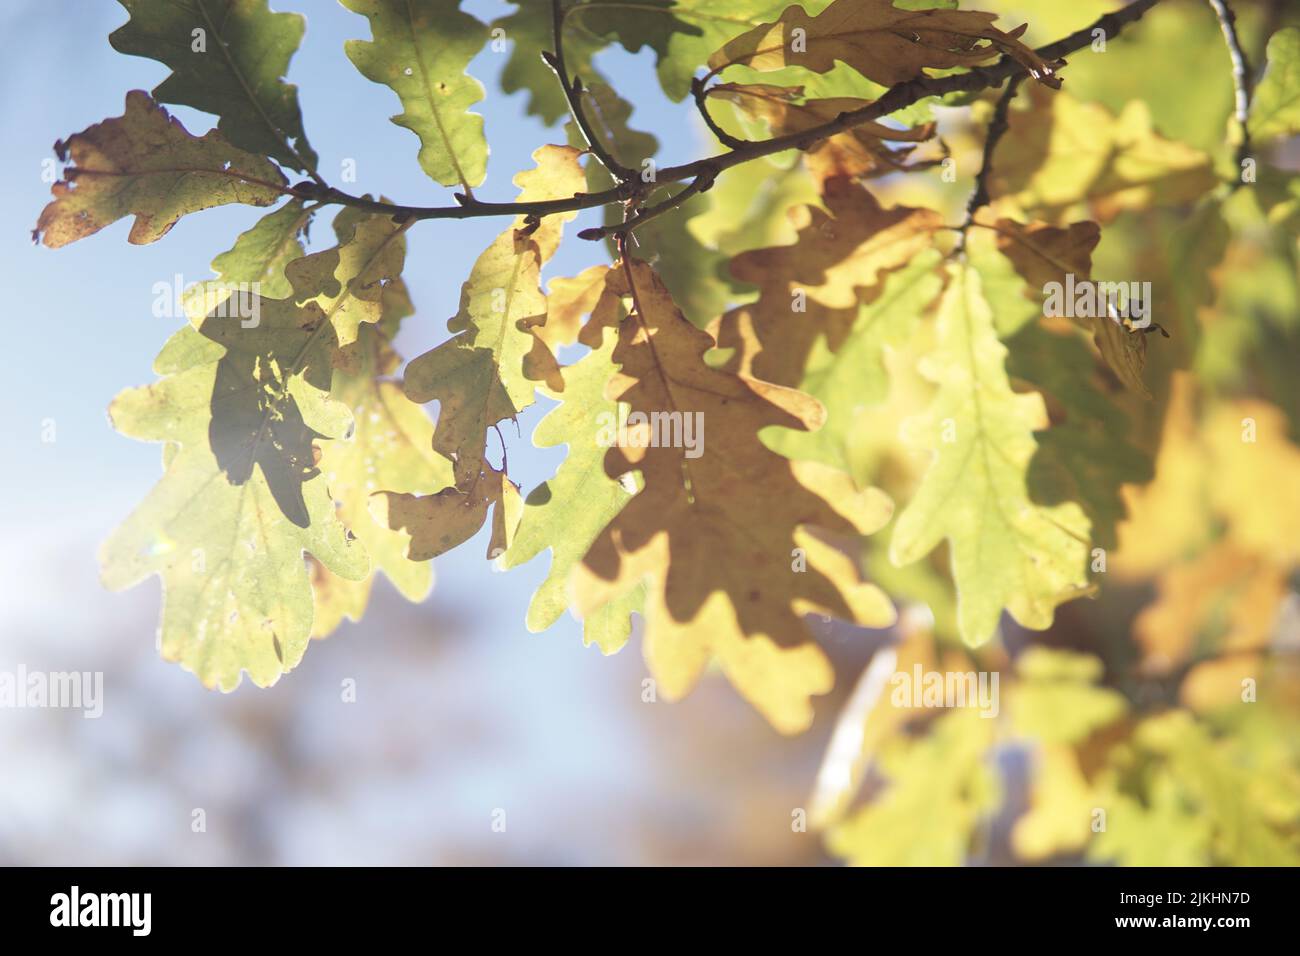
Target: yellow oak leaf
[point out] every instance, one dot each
(734, 543)
(1061, 153)
(883, 43)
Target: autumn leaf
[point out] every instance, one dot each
(828, 303)
(228, 57)
(843, 250)
(488, 371)
(1198, 801)
(1223, 598)
(1061, 153)
(421, 51)
(567, 301)
(886, 44)
(720, 584)
(1061, 807)
(1007, 552)
(850, 377)
(749, 208)
(860, 151)
(144, 163)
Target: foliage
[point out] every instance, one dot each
(866, 360)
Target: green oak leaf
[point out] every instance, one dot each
(421, 50)
(236, 594)
(940, 787)
(261, 254)
(851, 379)
(228, 57)
(145, 163)
(270, 400)
(682, 33)
(1086, 455)
(389, 449)
(529, 31)
(1056, 698)
(568, 512)
(1007, 552)
(1275, 107)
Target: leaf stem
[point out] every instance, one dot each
(573, 91)
(700, 93)
(998, 125)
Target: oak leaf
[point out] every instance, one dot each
(1007, 552)
(713, 534)
(487, 372)
(228, 57)
(421, 50)
(886, 44)
(145, 163)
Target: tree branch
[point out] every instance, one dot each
(701, 183)
(700, 92)
(998, 125)
(573, 91)
(1240, 77)
(895, 98)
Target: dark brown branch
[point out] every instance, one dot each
(573, 91)
(701, 183)
(998, 126)
(896, 98)
(1240, 77)
(700, 92)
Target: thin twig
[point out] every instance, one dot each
(1240, 78)
(700, 93)
(573, 91)
(894, 99)
(998, 125)
(701, 183)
